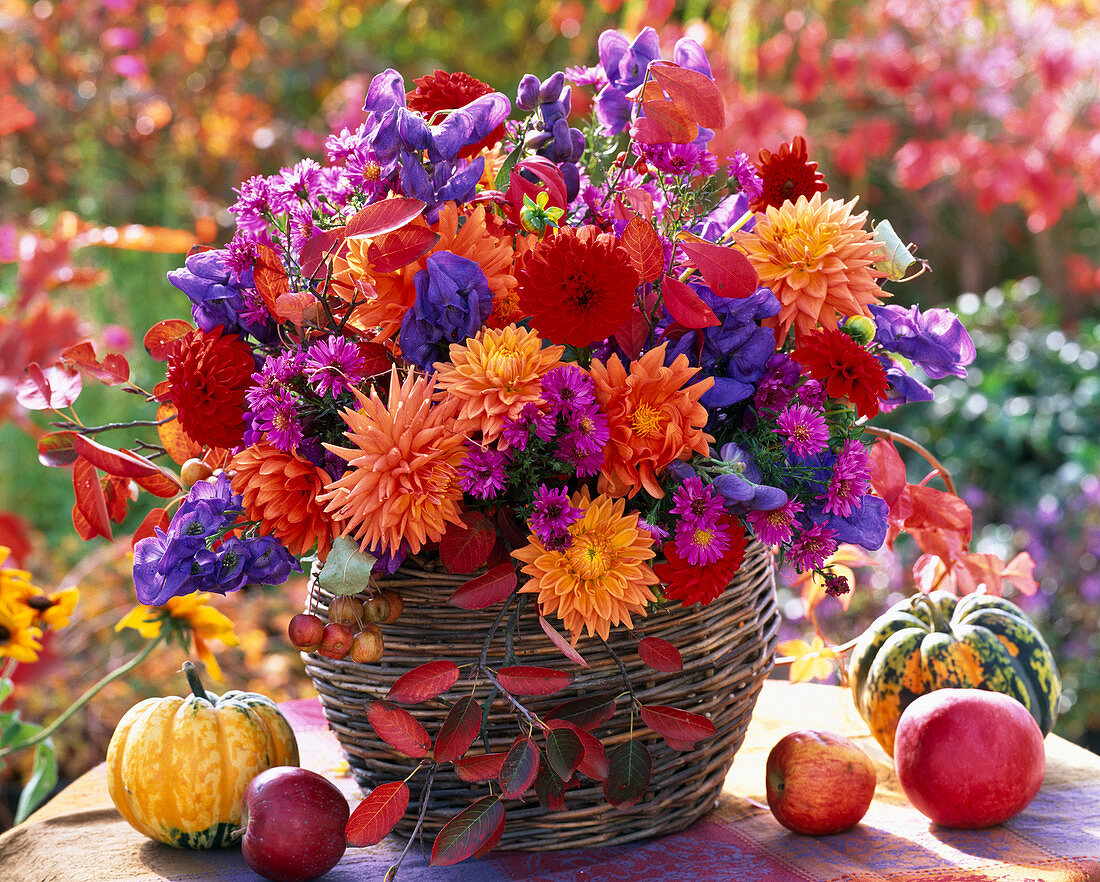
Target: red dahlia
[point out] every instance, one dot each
(847, 369)
(577, 286)
(692, 584)
(208, 375)
(788, 174)
(449, 91)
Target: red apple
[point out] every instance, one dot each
(294, 824)
(306, 632)
(367, 646)
(336, 641)
(346, 610)
(968, 758)
(819, 782)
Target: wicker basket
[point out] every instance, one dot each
(727, 650)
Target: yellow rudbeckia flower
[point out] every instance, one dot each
(191, 614)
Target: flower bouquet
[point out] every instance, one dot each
(537, 398)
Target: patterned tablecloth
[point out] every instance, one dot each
(79, 836)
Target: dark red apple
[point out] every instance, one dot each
(294, 824)
(968, 758)
(336, 641)
(819, 783)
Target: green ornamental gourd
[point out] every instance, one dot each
(178, 767)
(938, 641)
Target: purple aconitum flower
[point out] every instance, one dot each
(333, 365)
(157, 575)
(269, 563)
(624, 64)
(864, 526)
(740, 485)
(452, 301)
(482, 471)
(552, 514)
(903, 388)
(736, 351)
(935, 340)
(208, 280)
(777, 387)
(467, 125)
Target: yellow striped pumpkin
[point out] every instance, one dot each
(178, 767)
(937, 641)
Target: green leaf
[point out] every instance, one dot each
(14, 731)
(504, 173)
(42, 780)
(347, 569)
(897, 258)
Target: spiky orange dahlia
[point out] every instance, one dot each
(208, 375)
(402, 477)
(602, 578)
(818, 259)
(280, 491)
(654, 417)
(786, 175)
(493, 375)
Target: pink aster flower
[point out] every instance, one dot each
(696, 503)
(278, 419)
(805, 430)
(552, 514)
(482, 472)
(702, 543)
(851, 477)
(810, 550)
(776, 526)
(333, 365)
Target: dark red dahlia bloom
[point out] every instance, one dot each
(208, 375)
(441, 90)
(786, 175)
(691, 584)
(577, 286)
(847, 369)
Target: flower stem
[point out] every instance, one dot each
(921, 449)
(85, 698)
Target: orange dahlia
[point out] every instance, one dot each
(280, 491)
(208, 375)
(653, 419)
(578, 286)
(481, 238)
(493, 375)
(786, 175)
(602, 578)
(402, 480)
(817, 258)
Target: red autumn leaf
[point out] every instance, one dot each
(160, 338)
(726, 271)
(424, 682)
(55, 449)
(532, 680)
(633, 334)
(674, 723)
(561, 643)
(458, 731)
(564, 751)
(483, 767)
(376, 816)
(640, 202)
(696, 93)
(158, 517)
(160, 484)
(111, 461)
(269, 276)
(398, 728)
(685, 306)
(55, 387)
(660, 655)
(90, 500)
(118, 494)
(14, 115)
(83, 529)
(112, 371)
(292, 305)
(467, 832)
(178, 444)
(464, 550)
(383, 217)
(644, 247)
(594, 762)
(586, 712)
(321, 247)
(483, 591)
(664, 123)
(391, 251)
(520, 766)
(629, 767)
(492, 842)
(678, 744)
(550, 790)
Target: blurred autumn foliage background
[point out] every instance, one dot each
(973, 126)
